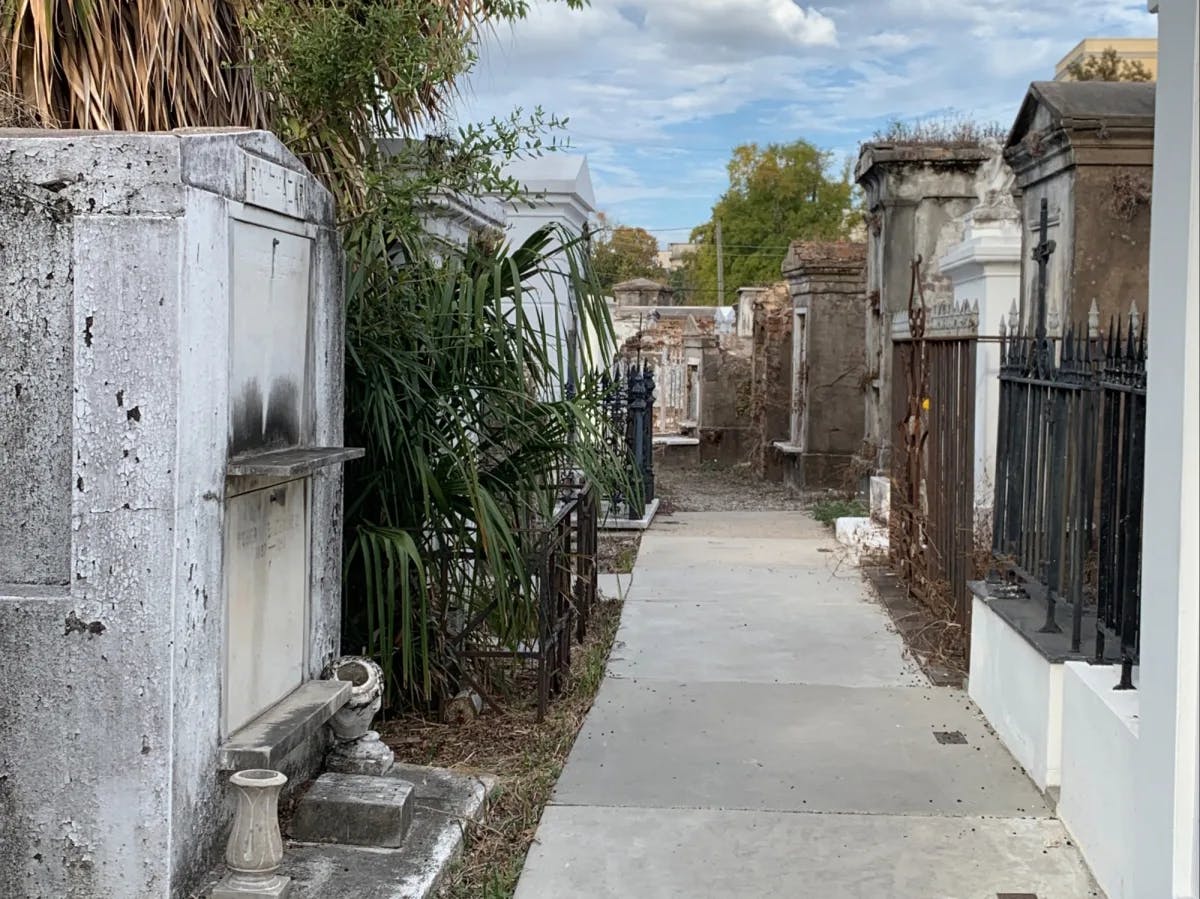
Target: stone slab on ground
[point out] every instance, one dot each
(863, 536)
(778, 747)
(605, 853)
(444, 802)
(356, 809)
(762, 640)
(616, 522)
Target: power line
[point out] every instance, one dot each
(728, 246)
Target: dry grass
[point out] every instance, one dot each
(948, 131)
(525, 755)
(617, 552)
(933, 636)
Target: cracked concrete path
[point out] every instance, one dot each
(761, 733)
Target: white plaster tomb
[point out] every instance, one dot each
(171, 431)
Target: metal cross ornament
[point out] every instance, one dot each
(1041, 255)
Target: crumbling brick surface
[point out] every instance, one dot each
(771, 377)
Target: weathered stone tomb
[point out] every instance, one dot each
(824, 425)
(1087, 149)
(171, 333)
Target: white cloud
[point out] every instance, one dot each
(657, 91)
(754, 26)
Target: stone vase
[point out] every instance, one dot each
(255, 849)
(357, 749)
(353, 720)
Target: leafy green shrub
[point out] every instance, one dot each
(828, 511)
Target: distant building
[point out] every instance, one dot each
(1129, 49)
(672, 257)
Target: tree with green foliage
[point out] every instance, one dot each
(621, 253)
(1107, 65)
(777, 194)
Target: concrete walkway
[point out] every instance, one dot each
(760, 733)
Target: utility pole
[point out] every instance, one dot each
(720, 267)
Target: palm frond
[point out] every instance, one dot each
(457, 393)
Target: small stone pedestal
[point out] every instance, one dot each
(355, 809)
(364, 755)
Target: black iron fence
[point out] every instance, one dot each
(1069, 461)
(1119, 563)
(629, 406)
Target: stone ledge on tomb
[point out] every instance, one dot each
(266, 740)
(788, 448)
(676, 440)
(290, 463)
(1026, 614)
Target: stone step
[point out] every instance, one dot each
(356, 810)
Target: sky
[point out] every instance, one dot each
(658, 92)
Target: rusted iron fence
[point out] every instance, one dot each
(931, 524)
(1069, 472)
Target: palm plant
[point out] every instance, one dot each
(162, 64)
(458, 396)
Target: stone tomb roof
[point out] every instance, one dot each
(821, 255)
(1063, 124)
(640, 284)
(1082, 104)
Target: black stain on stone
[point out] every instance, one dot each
(87, 330)
(17, 390)
(76, 625)
(134, 414)
(120, 397)
(247, 419)
(283, 414)
(79, 483)
(279, 426)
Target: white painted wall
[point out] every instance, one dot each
(1100, 745)
(986, 267)
(1166, 760)
(450, 219)
(1020, 693)
(558, 190)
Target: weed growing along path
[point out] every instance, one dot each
(526, 756)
